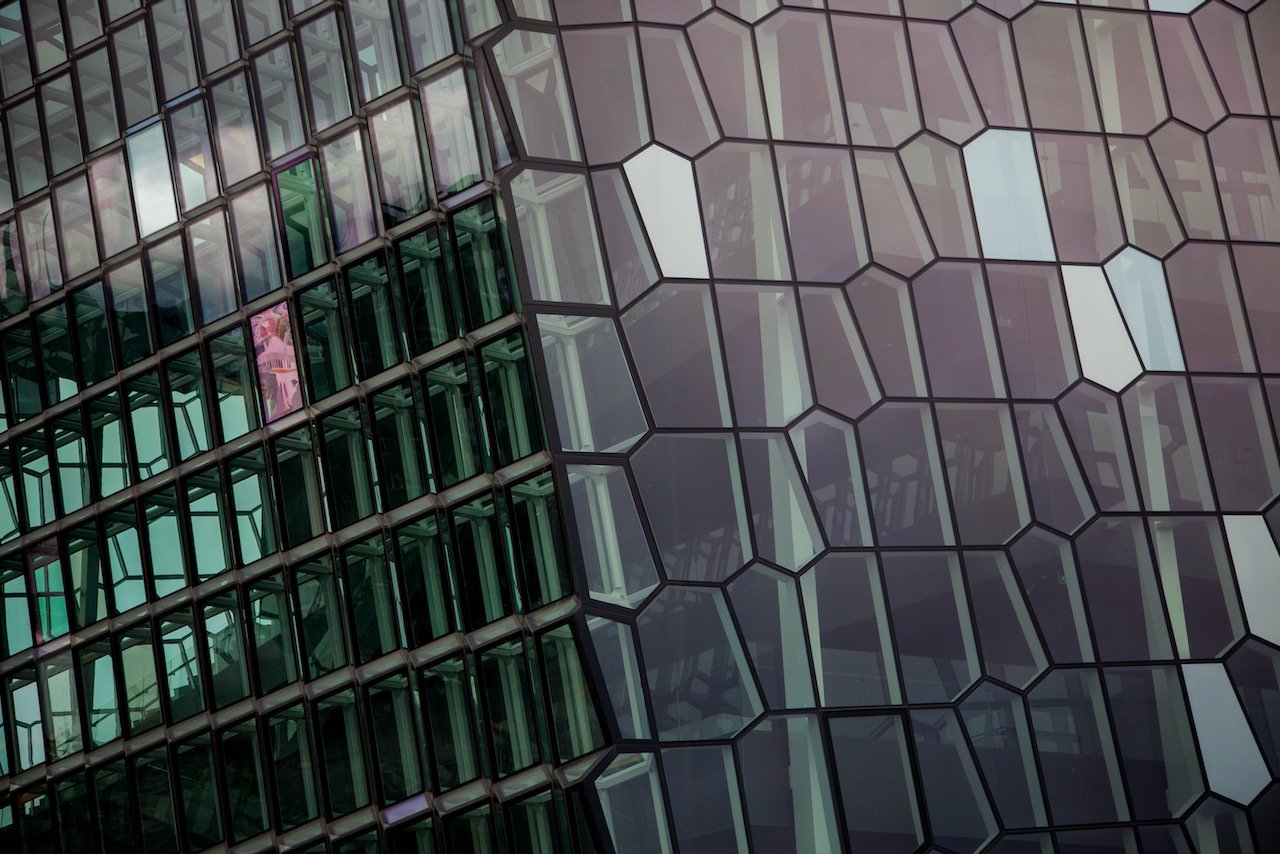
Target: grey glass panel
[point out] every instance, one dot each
(1166, 444)
(876, 78)
(898, 237)
(998, 729)
(614, 647)
(882, 305)
(707, 811)
(674, 342)
(786, 533)
(97, 98)
(824, 216)
(633, 804)
(935, 639)
(112, 205)
(1207, 305)
(1055, 69)
(397, 150)
(726, 58)
(1200, 592)
(1156, 746)
(151, 179)
(1233, 764)
(740, 213)
(347, 191)
(530, 67)
(767, 606)
(701, 529)
(849, 632)
(631, 264)
(955, 327)
(1121, 589)
(256, 244)
(986, 479)
(133, 68)
(786, 786)
(959, 814)
(234, 129)
(904, 476)
(61, 130)
(828, 454)
(1004, 184)
(765, 352)
(1092, 418)
(592, 392)
(197, 176)
(1031, 318)
(604, 68)
(619, 565)
(1073, 741)
(936, 171)
(428, 34)
(178, 70)
(876, 785)
(1255, 670)
(687, 638)
(555, 220)
(278, 92)
(451, 131)
(678, 105)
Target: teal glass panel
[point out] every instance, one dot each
(124, 559)
(189, 402)
(28, 725)
(172, 290)
(10, 495)
(456, 434)
(423, 561)
(164, 538)
(207, 518)
(140, 682)
(245, 793)
(111, 797)
(324, 333)
(342, 754)
(374, 324)
(16, 606)
(49, 587)
(306, 239)
(74, 822)
(22, 373)
(155, 802)
(429, 279)
(201, 816)
(484, 263)
(539, 542)
(252, 507)
(61, 705)
(71, 457)
(93, 333)
(449, 700)
(399, 444)
(483, 569)
(375, 606)
(233, 384)
(574, 719)
(395, 723)
(349, 478)
(511, 707)
(225, 651)
(57, 359)
(132, 313)
(513, 408)
(787, 788)
(182, 674)
(321, 636)
(37, 479)
(298, 488)
(275, 651)
(101, 702)
(111, 471)
(87, 573)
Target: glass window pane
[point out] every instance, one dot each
(397, 150)
(61, 130)
(321, 637)
(377, 62)
(511, 709)
(306, 243)
(281, 110)
(426, 573)
(112, 205)
(245, 780)
(456, 438)
(326, 71)
(277, 361)
(256, 246)
(488, 588)
(449, 698)
(375, 605)
(211, 259)
(347, 191)
(189, 399)
(237, 138)
(233, 384)
(275, 653)
(399, 444)
(201, 817)
(396, 722)
(98, 677)
(292, 770)
(484, 263)
(298, 487)
(151, 179)
(252, 505)
(876, 784)
(429, 278)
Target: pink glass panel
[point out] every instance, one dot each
(277, 362)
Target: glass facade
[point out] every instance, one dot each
(529, 426)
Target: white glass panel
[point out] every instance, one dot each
(1258, 571)
(1231, 758)
(662, 183)
(1106, 354)
(1004, 183)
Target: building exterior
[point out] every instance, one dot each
(640, 426)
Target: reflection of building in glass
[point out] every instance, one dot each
(639, 425)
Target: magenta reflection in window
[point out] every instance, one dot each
(277, 362)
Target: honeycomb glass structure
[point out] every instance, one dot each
(640, 426)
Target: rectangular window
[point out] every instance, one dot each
(245, 792)
(236, 135)
(112, 205)
(513, 408)
(40, 249)
(233, 382)
(201, 818)
(321, 637)
(487, 586)
(278, 93)
(483, 263)
(133, 69)
(207, 518)
(166, 550)
(375, 606)
(449, 698)
(178, 71)
(400, 443)
(378, 345)
(71, 456)
(251, 503)
(97, 99)
(61, 130)
(111, 471)
(58, 361)
(325, 341)
(224, 651)
(395, 723)
(193, 154)
(275, 653)
(326, 71)
(211, 260)
(351, 481)
(189, 404)
(347, 191)
(26, 146)
(277, 362)
(151, 179)
(455, 160)
(75, 217)
(306, 240)
(430, 289)
(397, 148)
(216, 27)
(124, 559)
(456, 436)
(182, 675)
(98, 676)
(257, 250)
(431, 604)
(171, 289)
(141, 684)
(377, 61)
(429, 31)
(301, 508)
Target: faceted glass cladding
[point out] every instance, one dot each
(639, 425)
(911, 367)
(281, 546)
